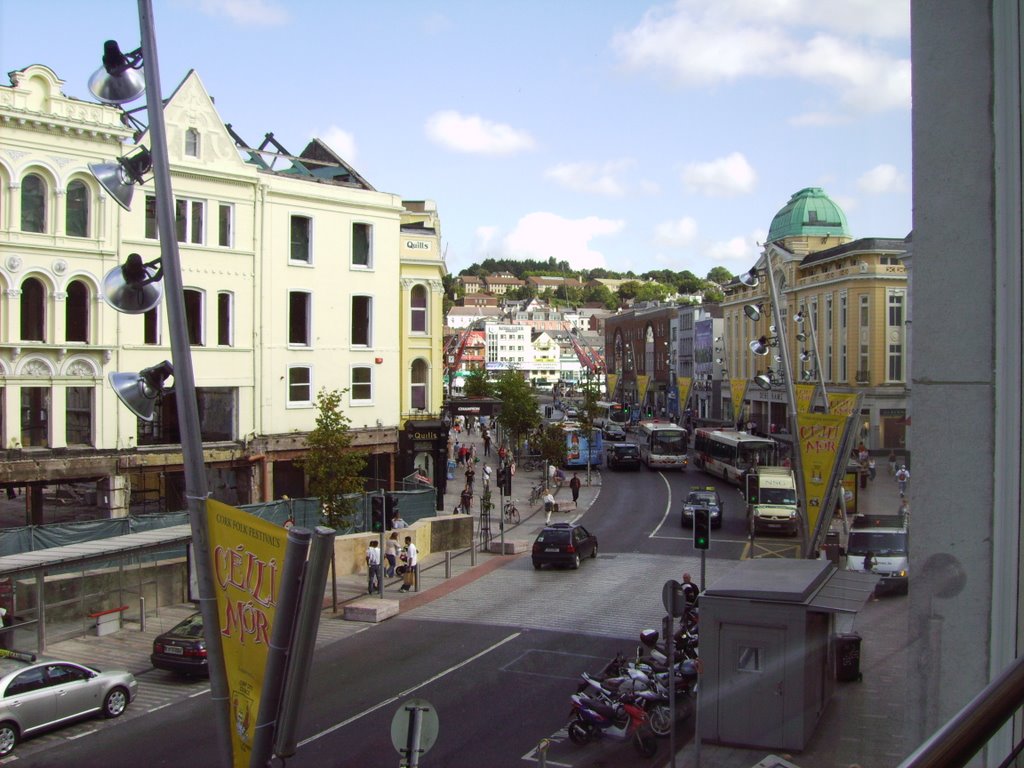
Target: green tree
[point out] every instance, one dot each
(720, 275)
(588, 413)
(519, 413)
(713, 295)
(602, 294)
(477, 384)
(333, 468)
(549, 442)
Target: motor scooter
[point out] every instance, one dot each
(624, 721)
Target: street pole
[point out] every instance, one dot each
(184, 387)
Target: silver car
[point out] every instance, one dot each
(38, 693)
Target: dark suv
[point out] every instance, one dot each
(624, 455)
(706, 497)
(563, 544)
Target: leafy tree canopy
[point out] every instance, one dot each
(478, 385)
(519, 413)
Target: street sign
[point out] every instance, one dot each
(414, 729)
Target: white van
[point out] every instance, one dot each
(887, 538)
(772, 501)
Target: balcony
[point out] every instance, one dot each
(863, 377)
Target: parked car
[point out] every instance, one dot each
(38, 693)
(613, 431)
(624, 455)
(705, 496)
(182, 649)
(563, 544)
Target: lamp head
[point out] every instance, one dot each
(763, 381)
(798, 318)
(805, 356)
(134, 287)
(801, 337)
(759, 346)
(139, 391)
(119, 179)
(752, 311)
(120, 79)
(750, 279)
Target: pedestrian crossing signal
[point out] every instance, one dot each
(701, 528)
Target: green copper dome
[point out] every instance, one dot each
(808, 212)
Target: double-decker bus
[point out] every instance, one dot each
(662, 444)
(578, 444)
(730, 454)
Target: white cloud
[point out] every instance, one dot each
(744, 249)
(248, 12)
(540, 235)
(591, 178)
(695, 42)
(678, 233)
(474, 135)
(725, 177)
(882, 179)
(483, 236)
(341, 141)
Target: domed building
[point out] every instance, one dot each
(809, 213)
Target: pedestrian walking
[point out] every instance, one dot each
(470, 476)
(691, 592)
(373, 567)
(574, 486)
(549, 506)
(892, 462)
(902, 476)
(391, 554)
(411, 565)
(466, 499)
(487, 443)
(871, 468)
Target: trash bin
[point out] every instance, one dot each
(848, 658)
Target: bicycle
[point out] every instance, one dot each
(511, 512)
(536, 493)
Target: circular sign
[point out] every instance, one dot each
(672, 598)
(401, 725)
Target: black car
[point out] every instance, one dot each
(706, 497)
(182, 649)
(613, 431)
(563, 544)
(624, 455)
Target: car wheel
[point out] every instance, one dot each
(576, 561)
(8, 738)
(536, 565)
(115, 702)
(593, 554)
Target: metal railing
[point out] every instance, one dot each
(959, 740)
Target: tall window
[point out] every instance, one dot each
(864, 338)
(300, 385)
(225, 217)
(188, 221)
(216, 412)
(362, 245)
(361, 390)
(194, 316)
(33, 310)
(419, 385)
(829, 361)
(225, 332)
(33, 203)
(843, 327)
(362, 313)
(79, 415)
(894, 332)
(301, 229)
(151, 326)
(192, 143)
(298, 318)
(418, 304)
(151, 229)
(35, 416)
(76, 213)
(76, 312)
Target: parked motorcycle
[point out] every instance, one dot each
(624, 721)
(639, 684)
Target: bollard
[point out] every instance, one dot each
(447, 563)
(472, 555)
(542, 752)
(142, 614)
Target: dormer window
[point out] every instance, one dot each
(192, 143)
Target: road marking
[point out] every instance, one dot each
(668, 506)
(80, 735)
(162, 706)
(407, 691)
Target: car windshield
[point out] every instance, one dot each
(703, 498)
(627, 450)
(190, 627)
(778, 496)
(881, 543)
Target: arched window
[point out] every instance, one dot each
(76, 216)
(33, 203)
(194, 316)
(76, 312)
(418, 308)
(33, 310)
(418, 392)
(192, 142)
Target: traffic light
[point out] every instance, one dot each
(377, 513)
(701, 528)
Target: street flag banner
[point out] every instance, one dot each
(247, 555)
(820, 438)
(641, 385)
(804, 397)
(847, 404)
(738, 390)
(683, 386)
(612, 379)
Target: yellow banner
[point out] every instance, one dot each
(820, 438)
(642, 380)
(804, 397)
(247, 555)
(738, 392)
(847, 404)
(683, 385)
(611, 380)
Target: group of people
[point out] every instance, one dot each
(393, 552)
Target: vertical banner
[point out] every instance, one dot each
(804, 397)
(820, 438)
(247, 555)
(642, 380)
(611, 380)
(738, 390)
(683, 386)
(847, 404)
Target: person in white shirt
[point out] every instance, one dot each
(373, 566)
(549, 506)
(412, 565)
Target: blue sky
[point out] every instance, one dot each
(627, 135)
